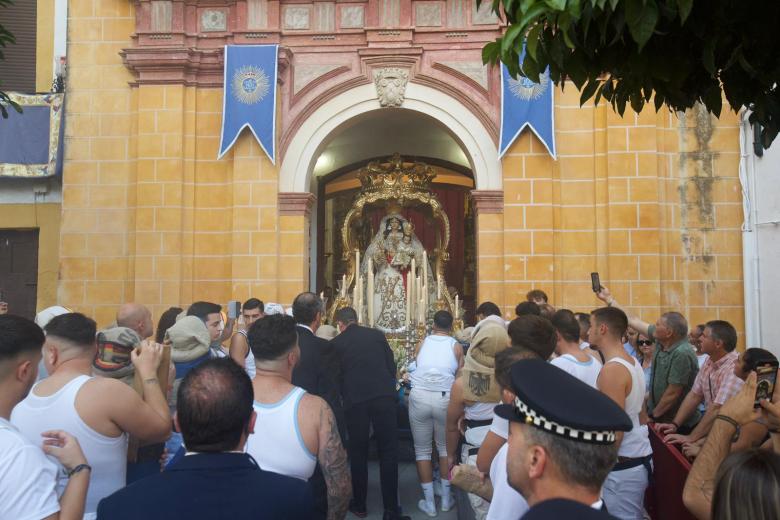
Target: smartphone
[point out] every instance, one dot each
(234, 309)
(765, 383)
(595, 282)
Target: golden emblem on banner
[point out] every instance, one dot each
(250, 84)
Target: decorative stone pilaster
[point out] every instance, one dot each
(488, 201)
(296, 204)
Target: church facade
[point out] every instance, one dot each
(652, 201)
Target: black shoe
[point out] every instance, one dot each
(394, 515)
(359, 512)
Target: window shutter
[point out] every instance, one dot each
(17, 70)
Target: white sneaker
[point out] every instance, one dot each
(447, 503)
(427, 508)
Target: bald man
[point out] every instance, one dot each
(137, 317)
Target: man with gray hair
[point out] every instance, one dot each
(674, 364)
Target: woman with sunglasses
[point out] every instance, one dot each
(645, 350)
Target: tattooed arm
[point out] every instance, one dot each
(700, 485)
(333, 460)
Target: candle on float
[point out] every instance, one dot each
(370, 292)
(412, 289)
(438, 287)
(357, 264)
(422, 311)
(425, 268)
(360, 299)
(457, 301)
(408, 300)
(343, 286)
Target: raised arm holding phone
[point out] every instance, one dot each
(674, 363)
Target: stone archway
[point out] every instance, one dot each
(296, 200)
(310, 139)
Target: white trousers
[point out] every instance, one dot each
(624, 493)
(428, 420)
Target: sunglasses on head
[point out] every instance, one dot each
(643, 342)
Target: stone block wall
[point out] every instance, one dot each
(650, 201)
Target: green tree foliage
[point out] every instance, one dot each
(6, 38)
(629, 52)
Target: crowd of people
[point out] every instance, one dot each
(270, 414)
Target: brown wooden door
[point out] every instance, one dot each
(19, 270)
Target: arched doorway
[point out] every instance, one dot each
(326, 146)
(374, 136)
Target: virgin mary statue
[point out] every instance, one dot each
(392, 250)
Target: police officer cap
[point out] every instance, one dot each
(556, 402)
(560, 508)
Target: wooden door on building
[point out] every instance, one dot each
(19, 270)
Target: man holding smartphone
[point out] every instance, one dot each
(715, 384)
(674, 363)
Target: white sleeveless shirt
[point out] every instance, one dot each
(436, 365)
(277, 444)
(107, 455)
(587, 371)
(636, 442)
(249, 360)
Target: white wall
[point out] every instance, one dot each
(23, 191)
(761, 260)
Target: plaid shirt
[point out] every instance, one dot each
(716, 381)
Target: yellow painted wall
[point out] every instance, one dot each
(44, 46)
(650, 201)
(150, 214)
(45, 218)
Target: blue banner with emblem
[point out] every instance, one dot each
(526, 104)
(249, 98)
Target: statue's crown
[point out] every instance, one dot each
(394, 178)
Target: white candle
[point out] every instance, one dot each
(438, 287)
(408, 300)
(457, 301)
(370, 292)
(357, 264)
(343, 286)
(422, 311)
(413, 289)
(360, 299)
(425, 268)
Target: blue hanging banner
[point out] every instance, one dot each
(249, 96)
(525, 103)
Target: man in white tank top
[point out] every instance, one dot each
(99, 412)
(251, 311)
(571, 358)
(28, 480)
(294, 429)
(622, 379)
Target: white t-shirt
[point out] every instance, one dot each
(28, 480)
(500, 427)
(585, 371)
(506, 503)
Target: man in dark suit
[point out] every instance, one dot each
(317, 370)
(216, 479)
(317, 373)
(368, 392)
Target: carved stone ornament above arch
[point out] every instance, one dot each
(326, 48)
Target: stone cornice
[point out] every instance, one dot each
(296, 204)
(488, 201)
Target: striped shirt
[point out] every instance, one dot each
(716, 381)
